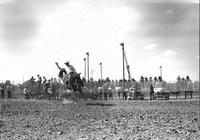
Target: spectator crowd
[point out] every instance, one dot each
(103, 89)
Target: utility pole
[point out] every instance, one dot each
(88, 70)
(199, 111)
(84, 68)
(161, 71)
(122, 44)
(92, 73)
(101, 69)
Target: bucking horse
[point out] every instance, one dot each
(74, 83)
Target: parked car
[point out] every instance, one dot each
(135, 93)
(161, 92)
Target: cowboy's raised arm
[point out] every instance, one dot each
(58, 66)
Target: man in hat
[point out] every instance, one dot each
(72, 70)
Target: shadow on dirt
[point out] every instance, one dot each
(99, 104)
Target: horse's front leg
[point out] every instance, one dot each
(75, 96)
(82, 94)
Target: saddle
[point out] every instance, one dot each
(75, 76)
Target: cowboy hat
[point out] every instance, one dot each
(67, 62)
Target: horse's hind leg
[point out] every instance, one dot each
(82, 94)
(75, 96)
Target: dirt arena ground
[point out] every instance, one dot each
(107, 120)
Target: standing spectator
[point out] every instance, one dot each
(183, 86)
(39, 78)
(105, 90)
(160, 79)
(151, 91)
(95, 90)
(25, 93)
(128, 84)
(189, 86)
(146, 85)
(178, 87)
(125, 94)
(110, 91)
(146, 79)
(100, 92)
(125, 91)
(9, 89)
(118, 90)
(44, 80)
(39, 84)
(113, 87)
(54, 88)
(151, 80)
(118, 86)
(2, 90)
(155, 80)
(142, 82)
(46, 87)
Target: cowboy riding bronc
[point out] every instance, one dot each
(72, 80)
(72, 70)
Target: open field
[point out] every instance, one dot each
(116, 119)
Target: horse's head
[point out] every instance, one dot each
(78, 76)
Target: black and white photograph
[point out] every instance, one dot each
(99, 70)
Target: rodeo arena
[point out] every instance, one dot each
(99, 70)
(70, 85)
(72, 107)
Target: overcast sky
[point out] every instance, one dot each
(34, 34)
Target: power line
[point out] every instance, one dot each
(175, 68)
(175, 20)
(182, 66)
